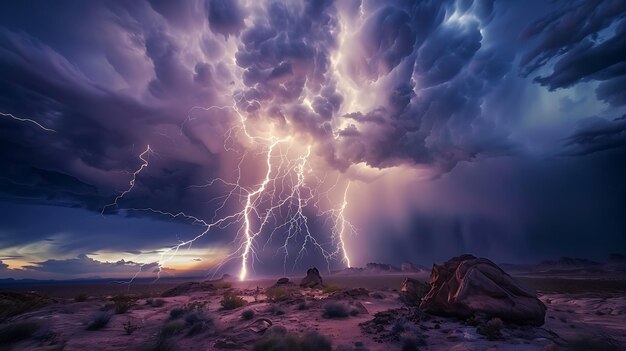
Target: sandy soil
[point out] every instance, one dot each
(570, 318)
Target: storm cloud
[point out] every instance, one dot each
(373, 87)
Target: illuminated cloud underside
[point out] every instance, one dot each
(280, 128)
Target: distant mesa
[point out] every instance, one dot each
(467, 286)
(571, 266)
(568, 263)
(383, 268)
(617, 258)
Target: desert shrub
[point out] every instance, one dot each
(81, 297)
(99, 321)
(172, 328)
(130, 326)
(329, 289)
(311, 341)
(177, 313)
(247, 315)
(276, 293)
(123, 303)
(302, 306)
(13, 304)
(18, 331)
(199, 322)
(158, 303)
(398, 326)
(492, 329)
(336, 310)
(353, 311)
(276, 310)
(230, 302)
(195, 306)
(472, 321)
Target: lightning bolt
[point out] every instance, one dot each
(27, 120)
(279, 199)
(342, 226)
(131, 183)
(249, 235)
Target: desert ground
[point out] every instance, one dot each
(366, 312)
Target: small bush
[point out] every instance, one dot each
(81, 297)
(472, 321)
(172, 328)
(158, 303)
(199, 322)
(99, 321)
(336, 310)
(177, 313)
(15, 332)
(329, 289)
(130, 326)
(230, 302)
(276, 341)
(195, 306)
(247, 315)
(276, 293)
(123, 303)
(398, 326)
(492, 329)
(13, 304)
(276, 310)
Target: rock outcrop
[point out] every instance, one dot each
(191, 287)
(466, 286)
(313, 279)
(413, 290)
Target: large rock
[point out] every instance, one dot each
(467, 285)
(313, 279)
(412, 291)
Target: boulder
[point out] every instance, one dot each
(313, 279)
(282, 281)
(412, 291)
(466, 286)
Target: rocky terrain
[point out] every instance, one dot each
(468, 303)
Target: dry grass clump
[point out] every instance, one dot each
(231, 301)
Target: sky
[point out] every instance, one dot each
(157, 138)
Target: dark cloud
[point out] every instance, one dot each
(225, 16)
(83, 264)
(429, 84)
(598, 134)
(584, 41)
(286, 56)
